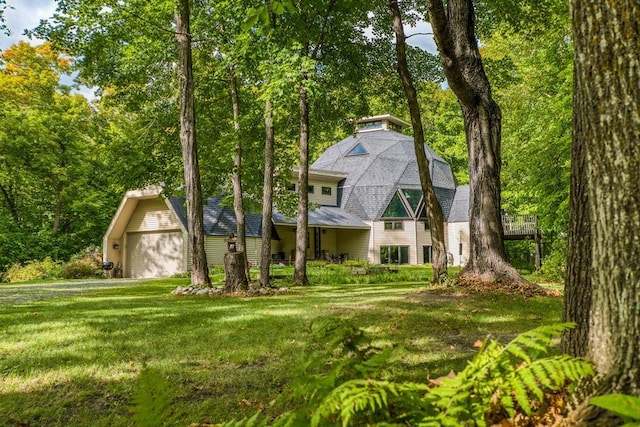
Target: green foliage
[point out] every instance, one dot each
(79, 269)
(339, 352)
(505, 377)
(625, 406)
(152, 400)
(32, 270)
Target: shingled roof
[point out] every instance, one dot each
(218, 219)
(378, 164)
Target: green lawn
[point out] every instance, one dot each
(71, 358)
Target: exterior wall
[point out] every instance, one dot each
(152, 215)
(404, 237)
(354, 243)
(423, 238)
(317, 197)
(323, 199)
(216, 246)
(458, 233)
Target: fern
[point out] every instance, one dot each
(499, 377)
(152, 399)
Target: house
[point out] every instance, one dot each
(367, 205)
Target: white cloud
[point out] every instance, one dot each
(25, 14)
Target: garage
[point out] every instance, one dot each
(154, 254)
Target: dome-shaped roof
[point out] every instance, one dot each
(378, 164)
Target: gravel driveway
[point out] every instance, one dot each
(24, 293)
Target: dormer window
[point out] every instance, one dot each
(358, 150)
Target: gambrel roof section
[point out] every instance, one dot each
(390, 164)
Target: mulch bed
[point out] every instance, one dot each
(527, 290)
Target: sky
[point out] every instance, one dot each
(26, 14)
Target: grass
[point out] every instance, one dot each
(73, 358)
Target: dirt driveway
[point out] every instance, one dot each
(25, 293)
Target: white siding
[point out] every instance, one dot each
(404, 237)
(423, 238)
(152, 215)
(355, 243)
(216, 247)
(323, 199)
(458, 233)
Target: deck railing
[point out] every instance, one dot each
(520, 225)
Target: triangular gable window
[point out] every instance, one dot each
(396, 208)
(423, 213)
(358, 150)
(413, 197)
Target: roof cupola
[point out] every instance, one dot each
(382, 122)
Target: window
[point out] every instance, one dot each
(413, 198)
(393, 225)
(427, 254)
(358, 150)
(394, 126)
(326, 191)
(377, 124)
(394, 254)
(460, 249)
(396, 208)
(291, 187)
(310, 189)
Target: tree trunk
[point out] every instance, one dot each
(607, 105)
(267, 196)
(11, 204)
(58, 212)
(193, 191)
(236, 177)
(454, 34)
(577, 289)
(300, 272)
(234, 270)
(434, 210)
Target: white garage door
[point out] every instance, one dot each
(157, 254)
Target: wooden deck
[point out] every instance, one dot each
(520, 227)
(524, 227)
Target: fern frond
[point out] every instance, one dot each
(362, 396)
(536, 341)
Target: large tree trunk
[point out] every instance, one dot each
(454, 34)
(607, 105)
(236, 177)
(267, 196)
(199, 268)
(235, 279)
(577, 289)
(300, 271)
(434, 210)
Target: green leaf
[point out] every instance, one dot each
(277, 7)
(620, 404)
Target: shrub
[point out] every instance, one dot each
(33, 270)
(80, 269)
(87, 263)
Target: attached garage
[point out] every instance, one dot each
(154, 254)
(148, 236)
